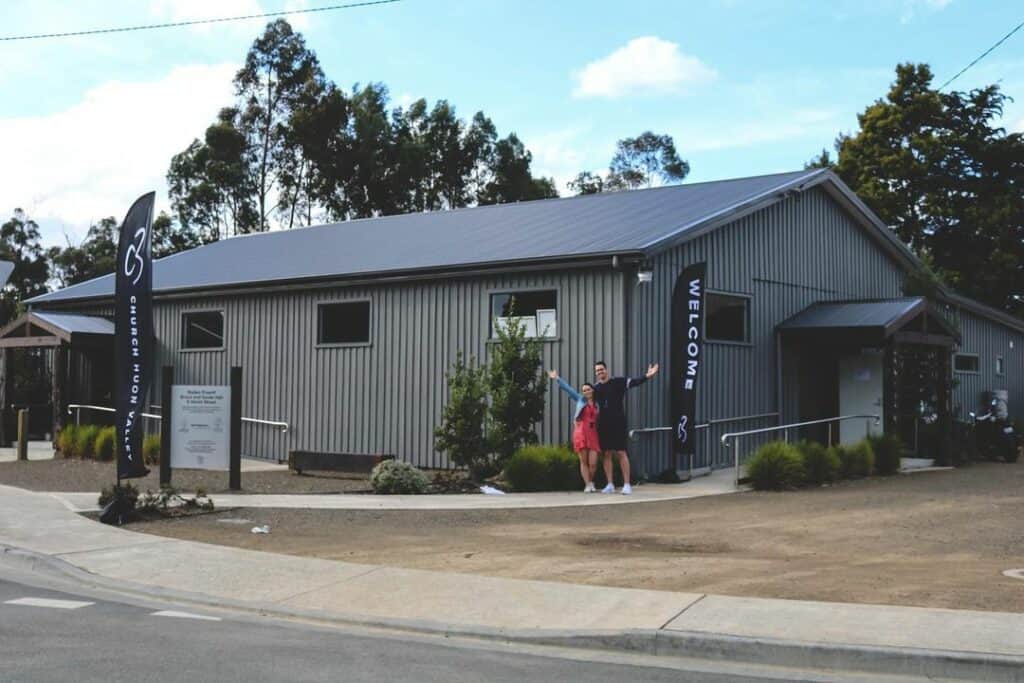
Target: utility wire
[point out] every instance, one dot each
(982, 55)
(174, 24)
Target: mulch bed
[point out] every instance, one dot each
(88, 475)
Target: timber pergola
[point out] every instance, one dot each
(62, 334)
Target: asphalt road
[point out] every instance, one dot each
(52, 630)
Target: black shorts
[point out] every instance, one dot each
(611, 432)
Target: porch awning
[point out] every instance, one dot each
(909, 320)
(37, 329)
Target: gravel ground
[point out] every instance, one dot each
(88, 475)
(937, 539)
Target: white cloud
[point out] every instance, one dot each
(647, 65)
(1018, 127)
(94, 158)
(558, 155)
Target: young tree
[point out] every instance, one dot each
(280, 75)
(19, 244)
(586, 182)
(461, 432)
(210, 188)
(517, 389)
(639, 161)
(512, 179)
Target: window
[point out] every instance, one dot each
(966, 362)
(344, 323)
(1000, 366)
(727, 318)
(202, 330)
(537, 310)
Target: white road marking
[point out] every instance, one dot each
(46, 602)
(183, 615)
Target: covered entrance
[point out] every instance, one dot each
(889, 358)
(51, 360)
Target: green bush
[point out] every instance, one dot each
(821, 464)
(857, 460)
(543, 468)
(151, 449)
(776, 466)
(104, 444)
(887, 450)
(66, 440)
(84, 445)
(393, 476)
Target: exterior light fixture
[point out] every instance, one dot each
(643, 276)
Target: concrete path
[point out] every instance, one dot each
(37, 450)
(715, 484)
(898, 640)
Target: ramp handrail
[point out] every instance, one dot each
(785, 428)
(635, 433)
(76, 408)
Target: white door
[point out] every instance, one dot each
(860, 393)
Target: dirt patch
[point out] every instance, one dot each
(939, 539)
(89, 475)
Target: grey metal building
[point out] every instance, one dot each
(345, 331)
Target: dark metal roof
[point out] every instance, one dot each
(862, 321)
(76, 324)
(852, 314)
(546, 230)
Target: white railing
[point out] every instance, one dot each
(735, 436)
(76, 408)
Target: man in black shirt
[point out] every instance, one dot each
(610, 396)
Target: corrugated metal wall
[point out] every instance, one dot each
(786, 257)
(987, 340)
(385, 397)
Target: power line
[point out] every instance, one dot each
(982, 55)
(175, 24)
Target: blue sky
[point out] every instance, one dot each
(744, 86)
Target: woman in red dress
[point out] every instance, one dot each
(584, 435)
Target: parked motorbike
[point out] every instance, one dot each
(995, 435)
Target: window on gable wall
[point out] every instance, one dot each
(202, 330)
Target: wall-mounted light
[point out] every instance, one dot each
(644, 276)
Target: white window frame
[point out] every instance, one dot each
(343, 345)
(531, 321)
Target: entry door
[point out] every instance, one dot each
(860, 393)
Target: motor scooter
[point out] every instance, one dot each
(995, 435)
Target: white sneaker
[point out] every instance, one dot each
(610, 488)
(590, 488)
(626, 489)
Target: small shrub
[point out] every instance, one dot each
(857, 460)
(887, 450)
(776, 466)
(151, 449)
(66, 440)
(126, 492)
(543, 468)
(104, 444)
(821, 464)
(393, 476)
(84, 445)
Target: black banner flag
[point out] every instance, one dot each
(687, 355)
(134, 333)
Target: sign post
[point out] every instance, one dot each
(166, 417)
(235, 476)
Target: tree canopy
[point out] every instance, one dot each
(19, 244)
(638, 162)
(939, 170)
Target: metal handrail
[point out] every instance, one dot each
(633, 433)
(735, 435)
(283, 426)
